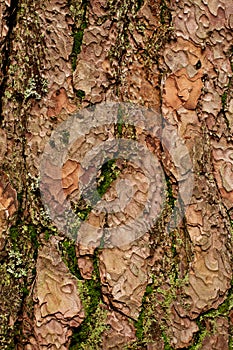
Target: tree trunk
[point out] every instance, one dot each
(142, 260)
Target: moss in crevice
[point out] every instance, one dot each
(79, 13)
(161, 35)
(211, 315)
(224, 100)
(169, 281)
(171, 200)
(23, 81)
(88, 334)
(165, 338)
(165, 13)
(139, 4)
(122, 129)
(78, 38)
(17, 276)
(148, 329)
(170, 197)
(231, 342)
(121, 12)
(81, 208)
(80, 94)
(109, 173)
(142, 321)
(67, 248)
(199, 336)
(24, 239)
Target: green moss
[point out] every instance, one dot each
(140, 323)
(165, 13)
(78, 38)
(224, 100)
(20, 235)
(199, 337)
(33, 234)
(80, 94)
(69, 257)
(223, 309)
(89, 337)
(88, 334)
(82, 209)
(78, 11)
(20, 231)
(147, 327)
(120, 122)
(109, 173)
(37, 87)
(122, 128)
(47, 235)
(170, 198)
(139, 4)
(83, 214)
(230, 342)
(210, 316)
(167, 345)
(14, 234)
(25, 291)
(17, 275)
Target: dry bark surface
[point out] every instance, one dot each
(165, 281)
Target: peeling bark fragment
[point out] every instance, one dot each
(218, 338)
(124, 276)
(86, 267)
(92, 74)
(70, 176)
(8, 205)
(58, 306)
(223, 165)
(182, 90)
(55, 26)
(3, 144)
(60, 100)
(120, 333)
(8, 196)
(183, 328)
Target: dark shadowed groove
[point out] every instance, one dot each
(11, 20)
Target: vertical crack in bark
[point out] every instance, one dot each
(6, 49)
(80, 23)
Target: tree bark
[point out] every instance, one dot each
(154, 73)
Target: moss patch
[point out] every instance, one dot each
(222, 311)
(78, 38)
(79, 13)
(88, 334)
(80, 94)
(17, 275)
(109, 172)
(69, 257)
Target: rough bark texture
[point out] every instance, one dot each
(170, 288)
